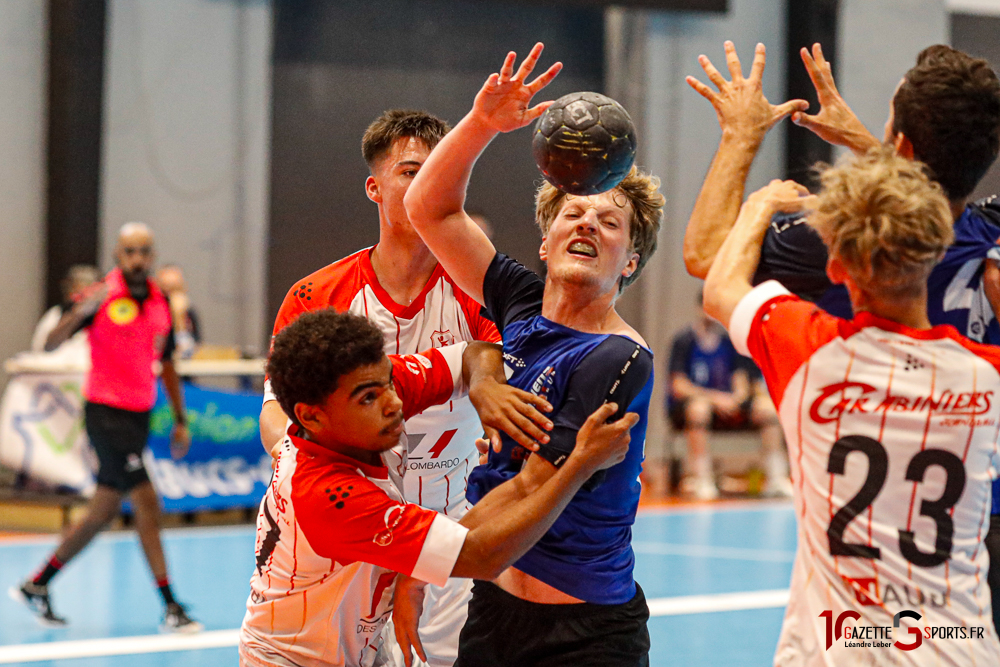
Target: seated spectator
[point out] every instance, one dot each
(712, 387)
(77, 280)
(187, 334)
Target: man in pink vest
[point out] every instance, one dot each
(130, 329)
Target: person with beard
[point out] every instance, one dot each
(128, 319)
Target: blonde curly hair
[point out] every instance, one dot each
(884, 219)
(641, 190)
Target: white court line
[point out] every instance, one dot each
(90, 648)
(706, 551)
(130, 535)
(718, 507)
(704, 604)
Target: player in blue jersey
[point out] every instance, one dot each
(946, 114)
(572, 598)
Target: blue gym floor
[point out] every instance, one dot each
(716, 578)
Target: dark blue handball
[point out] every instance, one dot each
(584, 144)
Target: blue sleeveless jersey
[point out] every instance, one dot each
(794, 255)
(587, 553)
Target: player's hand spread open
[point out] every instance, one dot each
(603, 444)
(740, 104)
(407, 606)
(835, 123)
(513, 411)
(503, 104)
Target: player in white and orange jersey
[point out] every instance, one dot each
(333, 529)
(399, 285)
(891, 424)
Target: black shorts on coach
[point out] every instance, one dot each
(504, 630)
(118, 437)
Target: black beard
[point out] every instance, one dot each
(137, 284)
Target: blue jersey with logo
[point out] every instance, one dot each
(587, 553)
(794, 255)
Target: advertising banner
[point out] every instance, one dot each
(42, 434)
(41, 431)
(226, 465)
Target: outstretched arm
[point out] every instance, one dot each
(435, 200)
(835, 123)
(745, 116)
(500, 406)
(503, 531)
(729, 279)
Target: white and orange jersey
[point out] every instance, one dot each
(892, 440)
(332, 533)
(442, 438)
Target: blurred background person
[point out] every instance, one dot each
(713, 388)
(77, 280)
(129, 322)
(187, 332)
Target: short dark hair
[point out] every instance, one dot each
(399, 123)
(948, 106)
(310, 354)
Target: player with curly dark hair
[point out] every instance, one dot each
(307, 360)
(333, 529)
(399, 285)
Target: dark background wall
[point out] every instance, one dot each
(339, 65)
(978, 35)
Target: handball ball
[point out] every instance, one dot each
(584, 143)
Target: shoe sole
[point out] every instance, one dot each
(189, 629)
(17, 595)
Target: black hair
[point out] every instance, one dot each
(310, 354)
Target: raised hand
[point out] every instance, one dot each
(782, 197)
(503, 103)
(835, 123)
(740, 103)
(91, 301)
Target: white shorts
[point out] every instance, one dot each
(445, 611)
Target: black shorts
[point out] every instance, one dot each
(741, 421)
(505, 630)
(118, 438)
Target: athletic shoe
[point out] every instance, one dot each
(177, 620)
(778, 488)
(701, 488)
(36, 598)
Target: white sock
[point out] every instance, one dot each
(777, 466)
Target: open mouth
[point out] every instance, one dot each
(582, 248)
